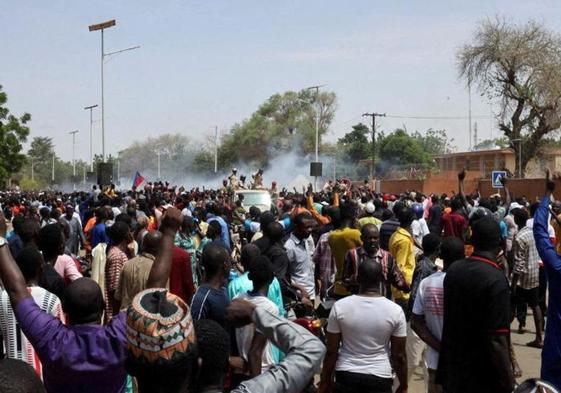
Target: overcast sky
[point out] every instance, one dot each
(206, 63)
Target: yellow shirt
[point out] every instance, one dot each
(403, 250)
(341, 241)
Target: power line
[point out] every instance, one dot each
(437, 117)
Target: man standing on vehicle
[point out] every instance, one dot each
(233, 179)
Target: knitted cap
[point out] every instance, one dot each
(159, 327)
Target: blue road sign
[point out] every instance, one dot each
(496, 177)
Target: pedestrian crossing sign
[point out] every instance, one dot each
(496, 177)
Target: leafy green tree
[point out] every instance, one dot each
(40, 155)
(399, 149)
(489, 144)
(203, 162)
(176, 151)
(282, 123)
(435, 142)
(13, 134)
(518, 66)
(355, 143)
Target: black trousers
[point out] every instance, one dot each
(348, 382)
(525, 298)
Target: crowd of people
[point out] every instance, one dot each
(165, 289)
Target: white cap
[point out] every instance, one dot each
(515, 205)
(370, 208)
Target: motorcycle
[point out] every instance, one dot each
(535, 386)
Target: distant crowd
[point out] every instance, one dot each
(164, 288)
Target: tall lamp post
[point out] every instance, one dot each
(318, 114)
(91, 125)
(53, 169)
(215, 149)
(102, 26)
(73, 133)
(32, 169)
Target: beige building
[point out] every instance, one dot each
(486, 161)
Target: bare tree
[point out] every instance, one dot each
(520, 67)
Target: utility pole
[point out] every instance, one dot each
(469, 114)
(73, 133)
(91, 125)
(215, 149)
(373, 115)
(491, 120)
(159, 164)
(53, 173)
(32, 169)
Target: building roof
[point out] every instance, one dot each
(475, 153)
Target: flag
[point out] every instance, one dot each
(138, 180)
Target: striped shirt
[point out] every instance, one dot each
(116, 260)
(526, 259)
(16, 345)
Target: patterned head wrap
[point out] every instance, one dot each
(159, 328)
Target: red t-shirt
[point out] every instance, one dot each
(454, 224)
(181, 275)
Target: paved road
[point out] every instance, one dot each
(529, 359)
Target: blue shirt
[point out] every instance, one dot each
(210, 303)
(15, 245)
(99, 235)
(551, 353)
(243, 284)
(225, 235)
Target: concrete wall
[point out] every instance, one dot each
(530, 188)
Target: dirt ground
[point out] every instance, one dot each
(528, 358)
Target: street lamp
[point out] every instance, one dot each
(158, 152)
(102, 26)
(32, 169)
(316, 88)
(318, 108)
(215, 150)
(73, 133)
(91, 124)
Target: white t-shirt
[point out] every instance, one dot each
(430, 304)
(420, 229)
(366, 325)
(244, 335)
(550, 230)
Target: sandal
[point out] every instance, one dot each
(535, 344)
